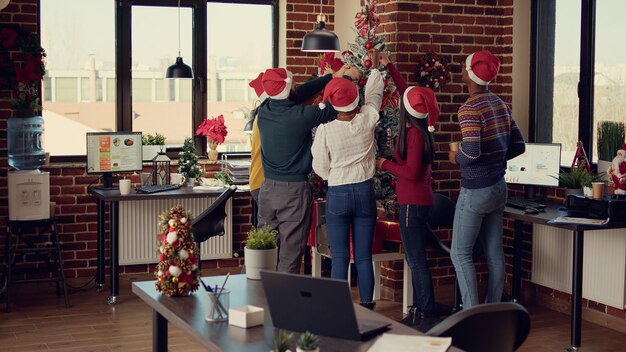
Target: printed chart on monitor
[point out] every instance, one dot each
(539, 165)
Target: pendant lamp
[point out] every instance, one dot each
(179, 69)
(320, 40)
(4, 3)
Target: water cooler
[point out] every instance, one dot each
(29, 188)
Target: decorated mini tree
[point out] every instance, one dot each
(188, 161)
(177, 270)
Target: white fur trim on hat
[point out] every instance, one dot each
(350, 107)
(263, 96)
(409, 108)
(470, 72)
(284, 94)
(322, 106)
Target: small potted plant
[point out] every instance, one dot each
(308, 342)
(282, 341)
(574, 180)
(215, 132)
(153, 144)
(260, 252)
(188, 163)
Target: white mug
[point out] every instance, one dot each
(124, 187)
(176, 178)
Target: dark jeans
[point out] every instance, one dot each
(352, 207)
(413, 220)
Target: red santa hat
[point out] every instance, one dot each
(341, 94)
(623, 147)
(277, 83)
(257, 85)
(482, 67)
(421, 103)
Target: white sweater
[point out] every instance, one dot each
(344, 152)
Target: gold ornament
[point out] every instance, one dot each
(174, 279)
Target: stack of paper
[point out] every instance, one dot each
(410, 343)
(581, 221)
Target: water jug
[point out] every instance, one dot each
(25, 137)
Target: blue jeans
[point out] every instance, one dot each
(413, 219)
(479, 211)
(352, 207)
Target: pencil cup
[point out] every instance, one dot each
(217, 307)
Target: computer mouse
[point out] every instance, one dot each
(532, 211)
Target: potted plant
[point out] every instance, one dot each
(282, 341)
(611, 136)
(260, 252)
(586, 183)
(215, 132)
(308, 342)
(188, 162)
(153, 144)
(574, 180)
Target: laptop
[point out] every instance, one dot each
(319, 305)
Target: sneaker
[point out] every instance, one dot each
(409, 320)
(368, 305)
(426, 321)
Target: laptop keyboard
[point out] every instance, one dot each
(521, 203)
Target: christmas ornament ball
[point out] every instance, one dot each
(362, 82)
(367, 63)
(368, 45)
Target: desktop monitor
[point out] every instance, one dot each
(109, 152)
(539, 165)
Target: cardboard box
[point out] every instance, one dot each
(246, 316)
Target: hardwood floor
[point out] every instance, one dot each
(39, 321)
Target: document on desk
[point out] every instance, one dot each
(581, 221)
(406, 343)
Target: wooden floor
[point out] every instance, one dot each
(39, 321)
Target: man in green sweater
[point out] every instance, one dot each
(285, 129)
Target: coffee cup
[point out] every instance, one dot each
(124, 186)
(597, 189)
(454, 146)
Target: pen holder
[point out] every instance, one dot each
(217, 307)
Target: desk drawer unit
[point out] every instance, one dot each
(139, 226)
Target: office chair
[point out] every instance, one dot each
(492, 327)
(210, 223)
(442, 215)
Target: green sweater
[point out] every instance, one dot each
(285, 128)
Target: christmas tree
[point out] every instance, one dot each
(177, 270)
(188, 161)
(367, 21)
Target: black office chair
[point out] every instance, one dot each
(442, 215)
(210, 223)
(492, 327)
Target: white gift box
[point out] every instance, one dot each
(246, 316)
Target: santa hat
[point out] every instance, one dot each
(277, 83)
(482, 67)
(623, 147)
(341, 94)
(420, 103)
(257, 85)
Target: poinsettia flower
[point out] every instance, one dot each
(214, 129)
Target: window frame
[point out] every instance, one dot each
(123, 63)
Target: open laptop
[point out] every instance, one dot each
(319, 305)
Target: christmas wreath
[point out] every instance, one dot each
(24, 70)
(432, 71)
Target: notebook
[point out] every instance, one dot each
(319, 305)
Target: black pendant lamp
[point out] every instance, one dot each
(179, 69)
(320, 40)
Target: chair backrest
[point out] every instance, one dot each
(441, 215)
(493, 327)
(210, 222)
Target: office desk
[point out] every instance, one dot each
(188, 314)
(578, 231)
(113, 197)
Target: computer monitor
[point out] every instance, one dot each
(109, 152)
(539, 165)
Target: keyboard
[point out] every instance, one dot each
(521, 203)
(156, 188)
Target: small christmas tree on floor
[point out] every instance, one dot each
(177, 270)
(188, 161)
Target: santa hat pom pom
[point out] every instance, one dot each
(322, 106)
(431, 129)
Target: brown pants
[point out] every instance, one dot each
(286, 207)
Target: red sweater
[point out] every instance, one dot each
(414, 176)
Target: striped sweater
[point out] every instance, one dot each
(490, 138)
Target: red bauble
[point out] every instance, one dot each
(392, 183)
(367, 63)
(362, 82)
(368, 45)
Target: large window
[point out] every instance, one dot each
(107, 72)
(78, 94)
(579, 72)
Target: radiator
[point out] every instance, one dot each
(604, 263)
(139, 226)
